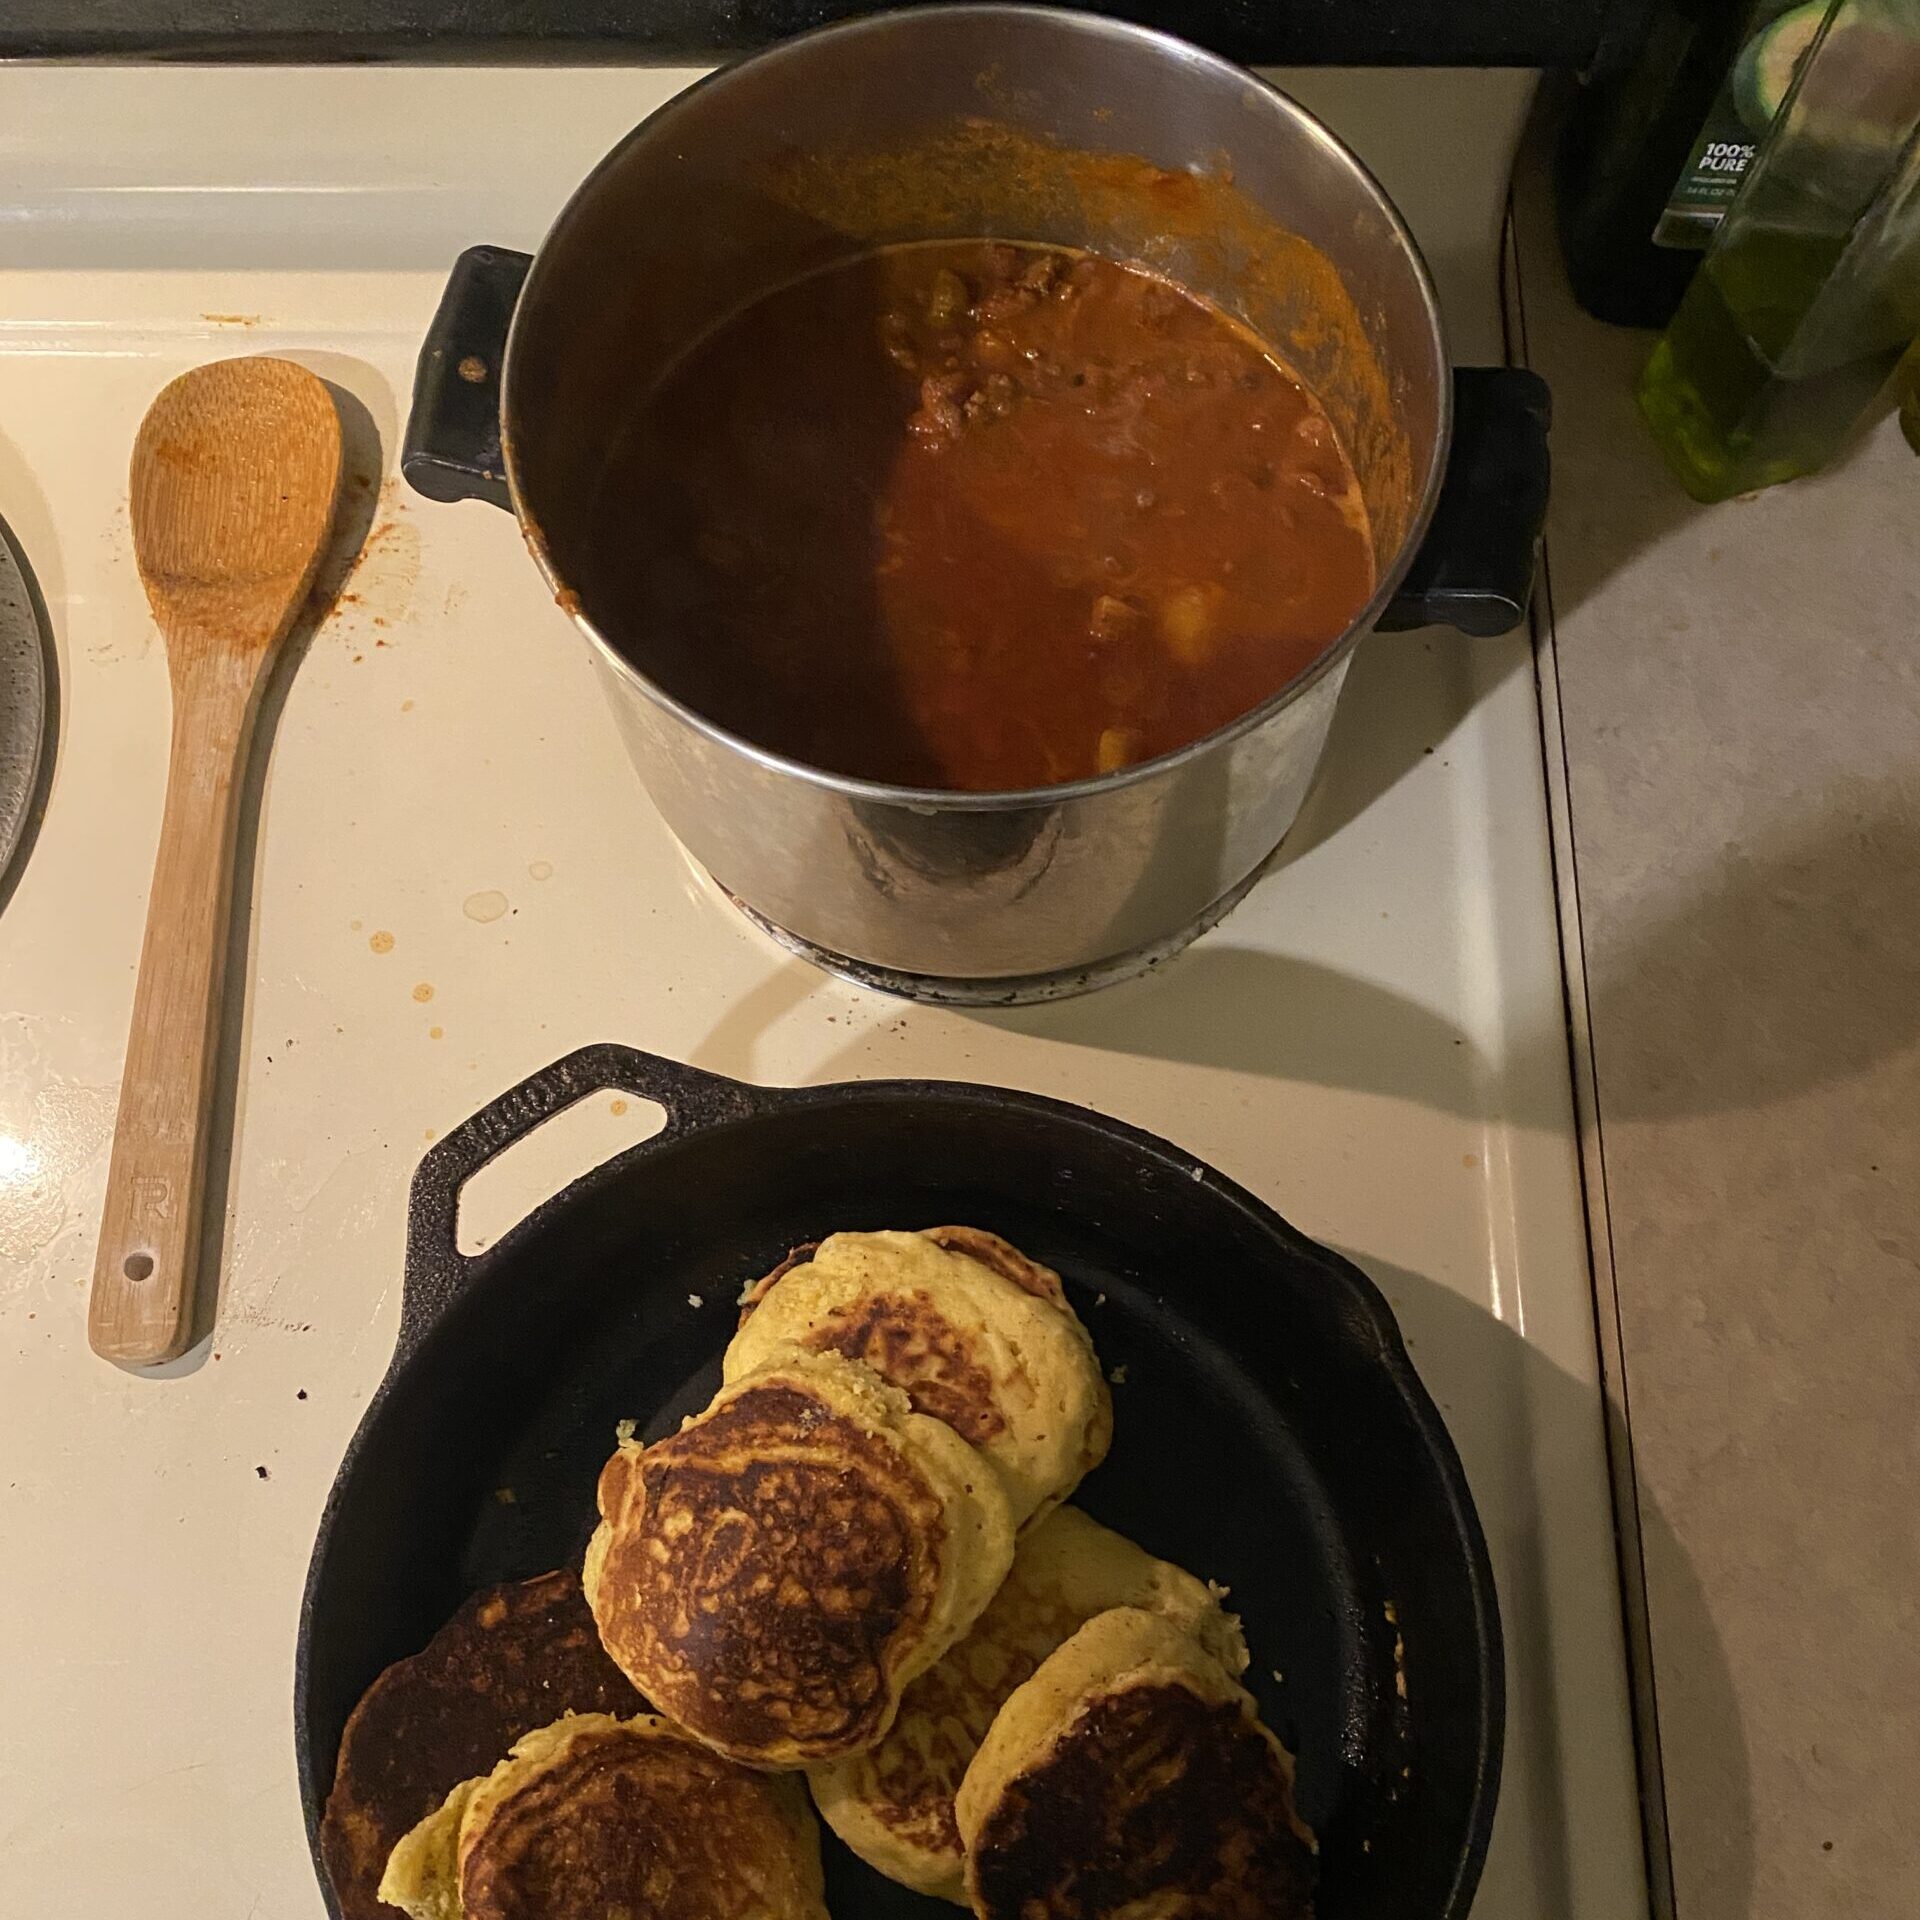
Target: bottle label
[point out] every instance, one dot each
(1778, 33)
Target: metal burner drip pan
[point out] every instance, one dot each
(1003, 990)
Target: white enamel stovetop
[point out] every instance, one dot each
(456, 878)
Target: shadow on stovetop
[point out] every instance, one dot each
(1382, 729)
(1479, 1370)
(1247, 1011)
(362, 463)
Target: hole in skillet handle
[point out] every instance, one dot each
(452, 447)
(1475, 568)
(436, 1268)
(529, 1173)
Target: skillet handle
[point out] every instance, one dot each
(436, 1268)
(1475, 568)
(452, 445)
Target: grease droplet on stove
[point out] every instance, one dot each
(540, 869)
(382, 942)
(423, 992)
(486, 906)
(436, 1033)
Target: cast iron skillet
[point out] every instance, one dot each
(1270, 1431)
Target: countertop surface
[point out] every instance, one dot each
(1739, 690)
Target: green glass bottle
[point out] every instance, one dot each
(1810, 292)
(1650, 155)
(1626, 141)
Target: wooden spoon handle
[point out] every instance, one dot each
(141, 1312)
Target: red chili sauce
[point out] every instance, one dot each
(975, 515)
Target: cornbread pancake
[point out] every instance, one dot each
(973, 1331)
(894, 1805)
(594, 1817)
(511, 1659)
(1131, 1777)
(773, 1575)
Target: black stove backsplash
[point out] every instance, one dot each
(1571, 34)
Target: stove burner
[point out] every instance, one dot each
(27, 729)
(1002, 990)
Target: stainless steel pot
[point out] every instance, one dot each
(1025, 124)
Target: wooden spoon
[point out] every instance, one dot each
(234, 478)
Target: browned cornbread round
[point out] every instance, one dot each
(774, 1575)
(1132, 1777)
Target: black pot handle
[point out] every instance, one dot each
(436, 1268)
(1475, 568)
(452, 448)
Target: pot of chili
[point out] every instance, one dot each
(973, 440)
